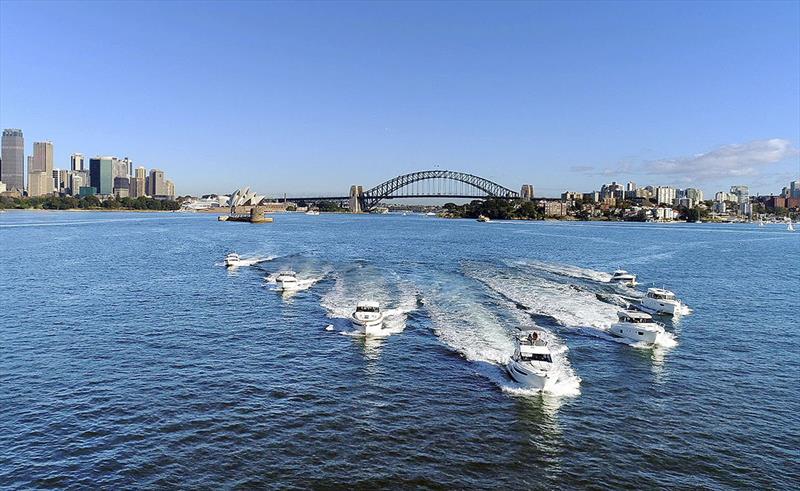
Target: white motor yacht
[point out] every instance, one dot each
(636, 326)
(532, 363)
(368, 318)
(660, 301)
(623, 278)
(312, 212)
(287, 281)
(232, 260)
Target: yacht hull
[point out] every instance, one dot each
(372, 327)
(660, 307)
(538, 380)
(634, 333)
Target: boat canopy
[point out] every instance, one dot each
(368, 306)
(287, 273)
(660, 294)
(634, 317)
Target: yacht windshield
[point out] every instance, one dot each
(367, 309)
(537, 357)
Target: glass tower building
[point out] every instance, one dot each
(100, 175)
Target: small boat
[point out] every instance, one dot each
(760, 222)
(790, 227)
(532, 362)
(636, 326)
(430, 214)
(623, 278)
(661, 301)
(312, 212)
(484, 219)
(287, 281)
(368, 318)
(232, 260)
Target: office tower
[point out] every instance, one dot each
(794, 189)
(56, 173)
(138, 185)
(78, 179)
(170, 189)
(77, 162)
(121, 168)
(526, 192)
(158, 188)
(40, 183)
(141, 172)
(42, 157)
(631, 186)
(122, 187)
(12, 160)
(100, 175)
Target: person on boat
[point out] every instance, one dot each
(533, 337)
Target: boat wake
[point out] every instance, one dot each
(365, 282)
(480, 329)
(565, 270)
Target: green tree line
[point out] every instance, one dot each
(87, 203)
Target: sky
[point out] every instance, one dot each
(309, 98)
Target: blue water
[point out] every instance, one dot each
(130, 358)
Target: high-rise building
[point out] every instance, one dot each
(40, 183)
(742, 194)
(122, 187)
(158, 187)
(121, 168)
(77, 162)
(631, 186)
(141, 172)
(12, 160)
(170, 189)
(42, 157)
(526, 192)
(694, 194)
(100, 175)
(666, 195)
(794, 189)
(78, 179)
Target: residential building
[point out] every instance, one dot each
(12, 160)
(571, 196)
(77, 162)
(100, 175)
(742, 194)
(694, 194)
(665, 195)
(555, 209)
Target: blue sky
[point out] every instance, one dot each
(309, 98)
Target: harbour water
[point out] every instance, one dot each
(131, 358)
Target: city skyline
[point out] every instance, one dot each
(312, 101)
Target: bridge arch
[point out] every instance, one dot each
(472, 186)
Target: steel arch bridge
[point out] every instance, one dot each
(434, 184)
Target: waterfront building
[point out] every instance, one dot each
(77, 162)
(40, 183)
(665, 195)
(170, 189)
(526, 192)
(694, 194)
(121, 168)
(555, 209)
(100, 175)
(122, 187)
(157, 185)
(720, 206)
(78, 179)
(12, 160)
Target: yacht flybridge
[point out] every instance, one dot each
(368, 318)
(660, 301)
(623, 278)
(636, 326)
(532, 363)
(287, 281)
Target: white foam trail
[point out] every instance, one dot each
(567, 270)
(463, 321)
(568, 305)
(397, 298)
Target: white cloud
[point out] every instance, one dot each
(727, 161)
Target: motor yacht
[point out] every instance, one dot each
(368, 318)
(661, 301)
(232, 260)
(636, 326)
(430, 214)
(532, 363)
(312, 212)
(484, 219)
(287, 281)
(623, 278)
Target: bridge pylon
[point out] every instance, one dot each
(356, 204)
